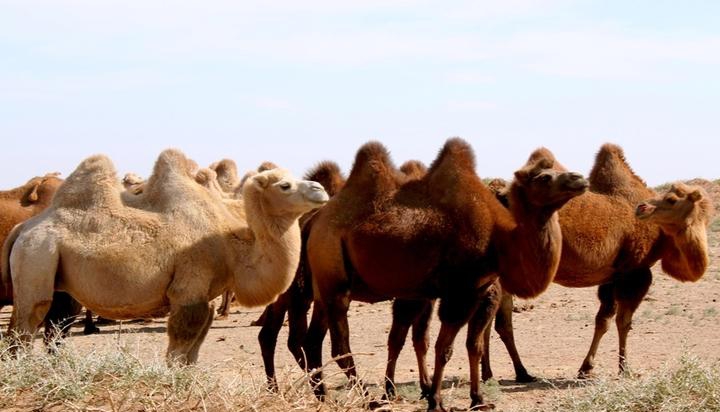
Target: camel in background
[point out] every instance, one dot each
(444, 235)
(177, 249)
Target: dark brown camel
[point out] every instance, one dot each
(442, 236)
(16, 206)
(605, 245)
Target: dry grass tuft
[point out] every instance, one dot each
(690, 386)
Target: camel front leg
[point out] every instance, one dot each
(187, 327)
(403, 313)
(274, 315)
(477, 331)
(504, 328)
(337, 309)
(443, 353)
(313, 349)
(629, 293)
(607, 310)
(421, 343)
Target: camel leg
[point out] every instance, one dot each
(90, 326)
(274, 315)
(421, 343)
(224, 309)
(60, 318)
(477, 328)
(313, 349)
(187, 327)
(504, 328)
(607, 310)
(454, 313)
(340, 335)
(298, 308)
(33, 278)
(403, 314)
(629, 292)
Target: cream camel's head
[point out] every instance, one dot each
(681, 206)
(280, 193)
(544, 185)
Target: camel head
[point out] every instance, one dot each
(40, 190)
(680, 207)
(543, 185)
(281, 194)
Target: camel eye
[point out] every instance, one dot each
(285, 186)
(543, 178)
(671, 200)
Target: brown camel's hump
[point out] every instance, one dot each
(453, 184)
(373, 170)
(612, 175)
(94, 183)
(414, 169)
(545, 153)
(328, 174)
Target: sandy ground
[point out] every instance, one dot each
(553, 336)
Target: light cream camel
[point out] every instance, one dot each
(178, 249)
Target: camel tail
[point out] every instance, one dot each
(6, 249)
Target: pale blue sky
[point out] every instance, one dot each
(302, 81)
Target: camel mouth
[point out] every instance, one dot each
(578, 186)
(644, 210)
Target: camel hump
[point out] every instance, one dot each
(170, 163)
(267, 166)
(611, 173)
(413, 169)
(373, 168)
(545, 153)
(328, 174)
(456, 153)
(93, 183)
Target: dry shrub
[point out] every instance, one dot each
(690, 386)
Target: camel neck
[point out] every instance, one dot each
(532, 249)
(686, 255)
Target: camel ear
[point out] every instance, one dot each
(32, 197)
(261, 180)
(522, 175)
(695, 196)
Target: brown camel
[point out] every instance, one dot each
(442, 236)
(16, 206)
(178, 249)
(605, 245)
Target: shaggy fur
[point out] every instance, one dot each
(605, 245)
(176, 249)
(444, 235)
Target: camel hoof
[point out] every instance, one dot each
(525, 378)
(586, 375)
(221, 317)
(90, 330)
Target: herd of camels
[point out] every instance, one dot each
(170, 245)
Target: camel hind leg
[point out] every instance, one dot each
(33, 276)
(273, 315)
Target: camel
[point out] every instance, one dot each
(178, 249)
(226, 180)
(441, 236)
(605, 245)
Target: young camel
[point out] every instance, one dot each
(605, 245)
(177, 249)
(444, 235)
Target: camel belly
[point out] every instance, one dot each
(115, 288)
